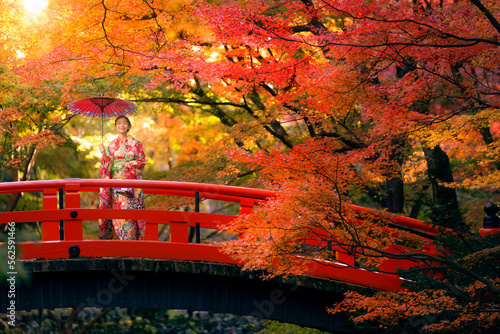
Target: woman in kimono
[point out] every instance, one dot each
(123, 159)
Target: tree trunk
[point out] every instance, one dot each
(396, 196)
(14, 197)
(30, 164)
(445, 200)
(488, 139)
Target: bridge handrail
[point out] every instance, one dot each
(185, 189)
(149, 186)
(73, 215)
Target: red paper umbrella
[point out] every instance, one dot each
(101, 107)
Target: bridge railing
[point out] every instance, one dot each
(73, 215)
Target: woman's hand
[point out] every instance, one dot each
(120, 164)
(102, 149)
(124, 172)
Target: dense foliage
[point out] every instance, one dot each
(154, 321)
(387, 104)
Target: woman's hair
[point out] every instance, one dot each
(124, 117)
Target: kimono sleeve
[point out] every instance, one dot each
(137, 166)
(105, 166)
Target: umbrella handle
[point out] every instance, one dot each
(102, 126)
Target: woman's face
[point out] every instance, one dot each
(122, 126)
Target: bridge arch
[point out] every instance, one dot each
(184, 285)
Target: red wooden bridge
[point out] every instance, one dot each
(77, 257)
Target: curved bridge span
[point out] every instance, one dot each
(182, 285)
(69, 271)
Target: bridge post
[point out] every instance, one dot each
(491, 222)
(151, 231)
(197, 209)
(50, 229)
(179, 232)
(246, 205)
(246, 208)
(344, 257)
(73, 229)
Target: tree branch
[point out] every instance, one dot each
(58, 323)
(94, 320)
(346, 141)
(487, 13)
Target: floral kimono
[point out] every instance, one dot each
(123, 160)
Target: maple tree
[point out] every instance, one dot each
(29, 122)
(390, 104)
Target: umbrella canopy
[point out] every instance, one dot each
(101, 107)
